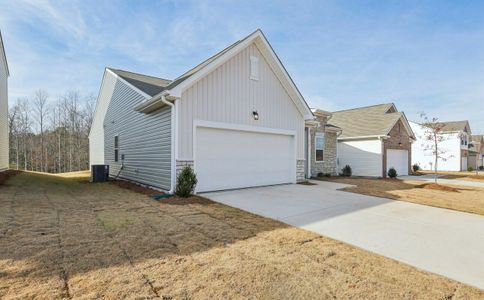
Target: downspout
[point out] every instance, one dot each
(310, 158)
(173, 143)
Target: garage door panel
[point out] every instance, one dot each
(398, 159)
(227, 159)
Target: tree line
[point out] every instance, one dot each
(51, 135)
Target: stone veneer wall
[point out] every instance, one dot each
(328, 165)
(330, 154)
(400, 140)
(300, 170)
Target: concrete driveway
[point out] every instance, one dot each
(441, 241)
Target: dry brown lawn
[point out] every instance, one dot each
(461, 198)
(66, 238)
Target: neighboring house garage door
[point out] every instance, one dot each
(464, 164)
(232, 158)
(398, 159)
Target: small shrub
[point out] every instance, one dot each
(416, 168)
(327, 174)
(346, 171)
(392, 173)
(320, 174)
(186, 182)
(481, 168)
(470, 169)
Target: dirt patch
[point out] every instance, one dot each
(5, 175)
(306, 183)
(439, 187)
(136, 187)
(63, 239)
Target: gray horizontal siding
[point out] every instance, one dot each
(144, 139)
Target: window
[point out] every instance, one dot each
(116, 148)
(319, 145)
(254, 68)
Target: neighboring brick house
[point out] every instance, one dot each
(322, 148)
(374, 139)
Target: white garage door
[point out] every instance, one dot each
(398, 159)
(229, 159)
(464, 164)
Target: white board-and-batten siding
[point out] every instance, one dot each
(228, 95)
(144, 139)
(3, 114)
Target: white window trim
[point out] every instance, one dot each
(319, 135)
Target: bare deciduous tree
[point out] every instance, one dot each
(40, 106)
(51, 136)
(434, 136)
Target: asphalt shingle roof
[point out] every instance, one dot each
(149, 84)
(455, 126)
(153, 85)
(366, 121)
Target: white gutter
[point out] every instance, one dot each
(365, 137)
(173, 142)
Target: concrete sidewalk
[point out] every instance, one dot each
(431, 178)
(441, 241)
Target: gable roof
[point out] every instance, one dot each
(477, 139)
(456, 126)
(184, 81)
(148, 84)
(4, 55)
(370, 121)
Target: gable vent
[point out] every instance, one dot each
(254, 68)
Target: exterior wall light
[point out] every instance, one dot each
(256, 115)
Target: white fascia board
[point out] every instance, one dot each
(178, 90)
(154, 103)
(97, 101)
(406, 123)
(4, 55)
(367, 137)
(129, 84)
(332, 129)
(305, 110)
(259, 36)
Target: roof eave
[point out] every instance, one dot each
(4, 55)
(257, 37)
(154, 103)
(363, 137)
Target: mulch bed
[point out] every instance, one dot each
(434, 186)
(4, 176)
(135, 187)
(175, 200)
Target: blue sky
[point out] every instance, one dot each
(422, 55)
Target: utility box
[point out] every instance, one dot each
(99, 173)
